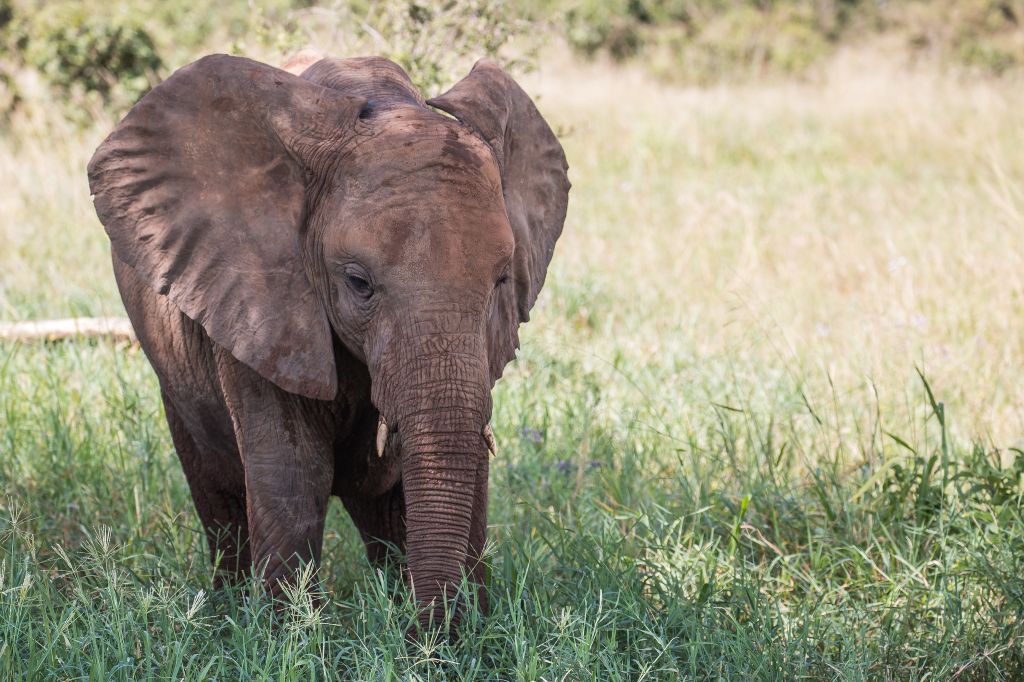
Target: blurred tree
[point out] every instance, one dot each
(110, 62)
(93, 62)
(9, 95)
(435, 41)
(708, 40)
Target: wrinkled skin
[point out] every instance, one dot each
(312, 260)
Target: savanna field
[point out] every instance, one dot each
(764, 424)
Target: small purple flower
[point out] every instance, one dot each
(532, 435)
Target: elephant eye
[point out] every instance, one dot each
(359, 285)
(503, 278)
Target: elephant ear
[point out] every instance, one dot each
(202, 190)
(535, 186)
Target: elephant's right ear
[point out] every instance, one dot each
(202, 189)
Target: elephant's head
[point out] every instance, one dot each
(281, 211)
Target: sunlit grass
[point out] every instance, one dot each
(762, 426)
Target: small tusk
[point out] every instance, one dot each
(382, 436)
(492, 446)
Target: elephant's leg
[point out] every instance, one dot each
(219, 495)
(380, 521)
(285, 445)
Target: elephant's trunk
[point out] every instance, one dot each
(444, 470)
(442, 404)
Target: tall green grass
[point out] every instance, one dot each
(624, 547)
(765, 423)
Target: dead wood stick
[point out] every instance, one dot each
(117, 328)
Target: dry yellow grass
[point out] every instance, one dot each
(852, 228)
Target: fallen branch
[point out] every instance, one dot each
(117, 328)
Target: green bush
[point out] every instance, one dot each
(435, 41)
(982, 35)
(785, 40)
(708, 40)
(91, 61)
(705, 40)
(9, 95)
(6, 14)
(595, 25)
(99, 59)
(106, 62)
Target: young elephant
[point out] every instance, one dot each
(328, 276)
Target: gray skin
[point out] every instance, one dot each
(317, 265)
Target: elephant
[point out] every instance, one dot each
(328, 273)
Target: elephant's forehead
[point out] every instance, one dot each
(417, 145)
(442, 175)
(447, 233)
(421, 189)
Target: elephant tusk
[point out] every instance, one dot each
(382, 436)
(492, 445)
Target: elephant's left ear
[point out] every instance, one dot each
(535, 185)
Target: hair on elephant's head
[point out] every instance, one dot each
(280, 211)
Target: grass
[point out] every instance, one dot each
(764, 425)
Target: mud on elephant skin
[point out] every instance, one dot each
(328, 275)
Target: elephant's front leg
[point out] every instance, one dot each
(285, 444)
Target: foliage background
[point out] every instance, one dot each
(766, 422)
(111, 53)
